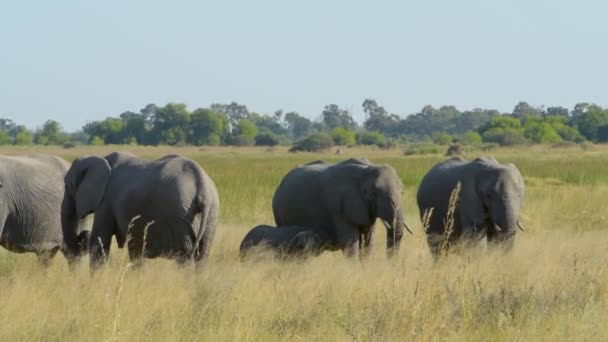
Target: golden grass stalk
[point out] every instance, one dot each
(449, 220)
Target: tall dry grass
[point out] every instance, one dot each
(552, 286)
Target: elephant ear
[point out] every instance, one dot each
(355, 201)
(88, 178)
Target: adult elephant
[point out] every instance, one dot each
(31, 191)
(344, 199)
(167, 207)
(488, 203)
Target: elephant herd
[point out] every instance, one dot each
(170, 207)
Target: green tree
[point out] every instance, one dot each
(556, 112)
(343, 137)
(523, 110)
(298, 126)
(503, 130)
(207, 127)
(590, 120)
(442, 138)
(471, 138)
(170, 124)
(267, 138)
(135, 128)
(110, 130)
(244, 133)
(97, 141)
(541, 133)
(315, 142)
(51, 134)
(370, 138)
(334, 116)
(378, 119)
(23, 136)
(234, 112)
(5, 139)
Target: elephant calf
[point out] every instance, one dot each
(288, 241)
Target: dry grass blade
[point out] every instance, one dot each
(449, 220)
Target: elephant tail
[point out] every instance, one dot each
(206, 201)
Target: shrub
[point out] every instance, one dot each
(471, 138)
(422, 149)
(343, 137)
(97, 141)
(267, 139)
(541, 133)
(69, 144)
(24, 137)
(504, 136)
(313, 143)
(370, 138)
(5, 139)
(442, 138)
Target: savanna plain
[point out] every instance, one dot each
(552, 286)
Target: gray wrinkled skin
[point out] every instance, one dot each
(285, 242)
(488, 206)
(343, 200)
(31, 191)
(171, 201)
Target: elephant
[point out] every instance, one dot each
(343, 200)
(488, 204)
(163, 208)
(31, 192)
(284, 242)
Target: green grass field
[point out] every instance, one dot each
(553, 286)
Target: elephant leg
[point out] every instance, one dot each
(367, 240)
(348, 238)
(100, 239)
(45, 257)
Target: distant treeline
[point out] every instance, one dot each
(234, 124)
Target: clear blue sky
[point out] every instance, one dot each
(78, 61)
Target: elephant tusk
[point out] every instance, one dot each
(407, 227)
(386, 225)
(520, 227)
(498, 229)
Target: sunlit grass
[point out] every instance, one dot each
(552, 286)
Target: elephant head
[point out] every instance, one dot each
(377, 195)
(502, 192)
(85, 184)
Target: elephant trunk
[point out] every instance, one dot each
(69, 226)
(505, 221)
(394, 223)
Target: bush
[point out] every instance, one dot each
(504, 136)
(5, 139)
(343, 136)
(422, 149)
(541, 133)
(97, 141)
(69, 144)
(267, 139)
(315, 142)
(442, 138)
(370, 138)
(24, 137)
(471, 138)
